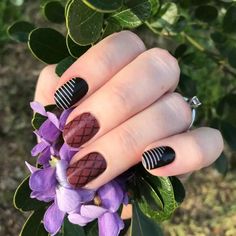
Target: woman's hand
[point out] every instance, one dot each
(126, 112)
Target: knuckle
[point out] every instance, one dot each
(181, 109)
(128, 140)
(121, 97)
(134, 39)
(104, 62)
(164, 60)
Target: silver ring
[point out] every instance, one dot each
(193, 103)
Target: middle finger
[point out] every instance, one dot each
(134, 88)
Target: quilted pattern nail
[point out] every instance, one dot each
(80, 130)
(86, 169)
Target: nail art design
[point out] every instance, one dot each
(158, 157)
(80, 130)
(70, 93)
(86, 169)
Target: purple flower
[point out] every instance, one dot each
(50, 185)
(48, 134)
(108, 199)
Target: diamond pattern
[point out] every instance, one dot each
(80, 130)
(86, 169)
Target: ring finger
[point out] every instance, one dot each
(122, 147)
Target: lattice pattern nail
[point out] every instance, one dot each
(86, 169)
(80, 130)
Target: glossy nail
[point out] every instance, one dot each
(86, 169)
(158, 157)
(70, 93)
(80, 130)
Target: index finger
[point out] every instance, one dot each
(97, 66)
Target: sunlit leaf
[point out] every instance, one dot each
(84, 24)
(54, 11)
(20, 31)
(22, 200)
(141, 225)
(104, 5)
(48, 45)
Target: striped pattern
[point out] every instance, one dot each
(64, 95)
(153, 157)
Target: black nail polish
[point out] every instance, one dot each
(158, 157)
(70, 93)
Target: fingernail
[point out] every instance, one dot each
(80, 130)
(158, 157)
(86, 169)
(70, 93)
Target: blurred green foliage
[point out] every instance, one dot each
(200, 34)
(10, 10)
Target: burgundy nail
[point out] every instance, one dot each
(80, 130)
(86, 169)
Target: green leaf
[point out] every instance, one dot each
(134, 14)
(91, 229)
(180, 50)
(33, 225)
(142, 225)
(229, 134)
(63, 65)
(229, 20)
(178, 188)
(167, 16)
(148, 197)
(54, 12)
(74, 49)
(48, 45)
(84, 24)
(232, 57)
(20, 30)
(22, 200)
(111, 27)
(38, 119)
(187, 85)
(218, 37)
(104, 5)
(70, 229)
(206, 13)
(221, 164)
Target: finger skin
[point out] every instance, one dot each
(123, 146)
(194, 150)
(139, 84)
(46, 85)
(94, 68)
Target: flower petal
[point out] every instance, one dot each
(46, 196)
(110, 224)
(38, 108)
(53, 118)
(61, 176)
(67, 199)
(49, 131)
(38, 148)
(43, 180)
(66, 152)
(44, 157)
(77, 219)
(92, 211)
(111, 195)
(53, 219)
(31, 168)
(63, 118)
